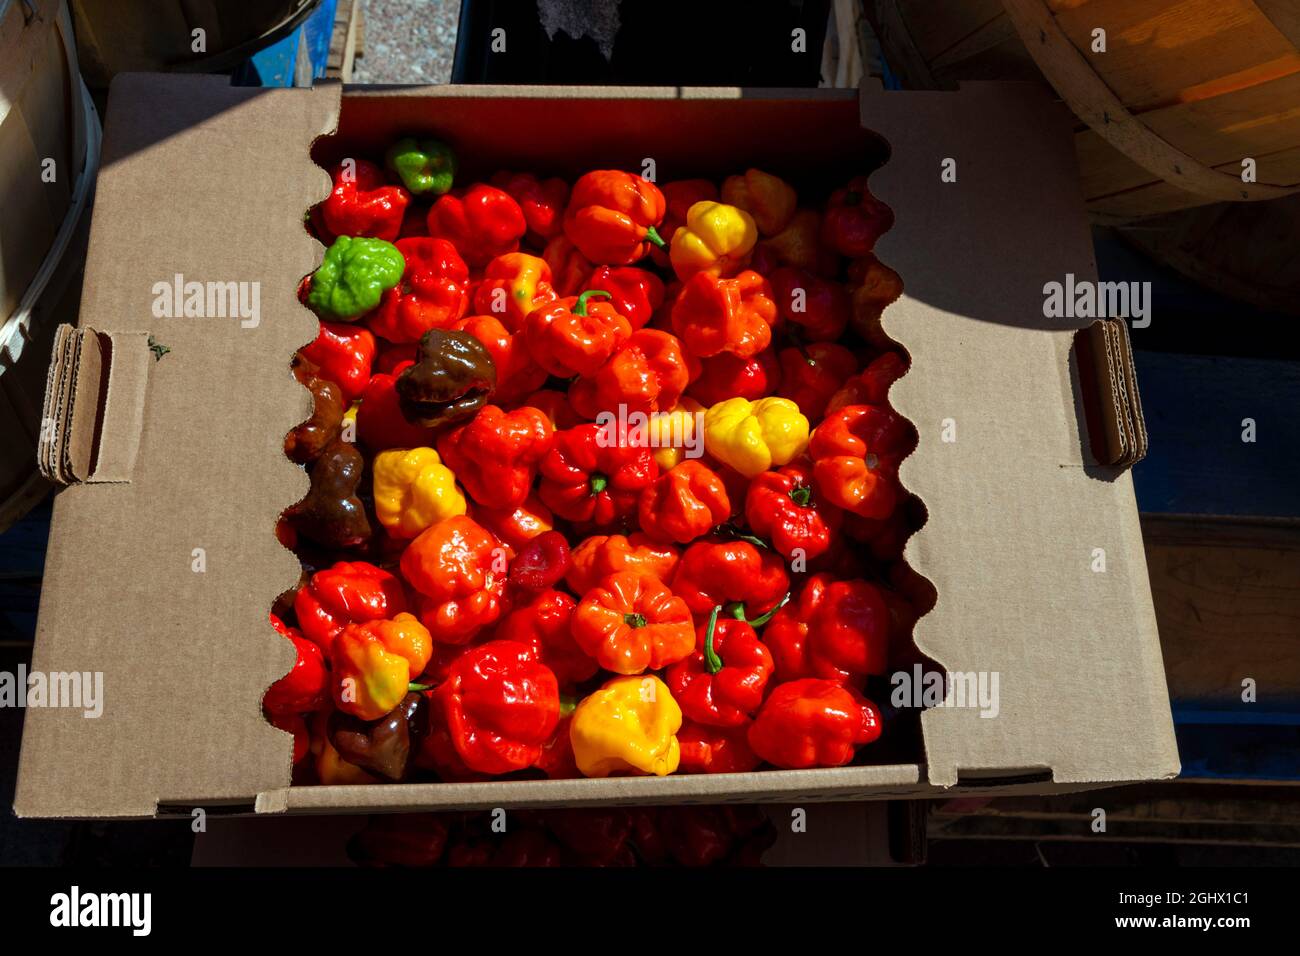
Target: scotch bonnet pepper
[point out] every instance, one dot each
(834, 630)
(347, 592)
(723, 682)
(628, 726)
(728, 375)
(713, 315)
(855, 219)
(380, 421)
(540, 563)
(332, 515)
(673, 434)
(541, 201)
(353, 277)
(709, 749)
(717, 572)
(516, 372)
(431, 295)
(811, 374)
(495, 454)
(499, 705)
(632, 623)
(716, 238)
(574, 336)
(751, 437)
(544, 625)
(413, 489)
(426, 167)
(782, 507)
(362, 204)
(373, 664)
(344, 354)
(599, 556)
(451, 379)
(590, 479)
(482, 221)
(769, 199)
(612, 215)
(459, 569)
(308, 441)
(514, 285)
(855, 454)
(633, 293)
(305, 687)
(648, 374)
(813, 723)
(684, 503)
(818, 308)
(515, 526)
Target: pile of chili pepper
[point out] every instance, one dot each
(603, 478)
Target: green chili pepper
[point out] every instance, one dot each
(353, 277)
(425, 166)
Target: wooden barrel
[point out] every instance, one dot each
(49, 154)
(160, 35)
(1182, 92)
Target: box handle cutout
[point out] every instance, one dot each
(1117, 433)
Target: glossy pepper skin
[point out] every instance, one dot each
(570, 269)
(783, 507)
(540, 563)
(541, 201)
(871, 385)
(575, 335)
(426, 167)
(372, 664)
(305, 687)
(483, 222)
(353, 277)
(855, 219)
(675, 432)
(629, 726)
(679, 196)
(344, 354)
(855, 455)
(752, 437)
(460, 574)
(612, 215)
(593, 480)
(597, 557)
(347, 592)
(431, 295)
(834, 630)
(332, 515)
(721, 572)
(362, 203)
(648, 374)
(769, 199)
(632, 623)
(495, 454)
(728, 375)
(307, 441)
(817, 308)
(381, 423)
(713, 315)
(813, 723)
(544, 625)
(722, 683)
(513, 286)
(499, 704)
(450, 382)
(413, 489)
(381, 747)
(811, 374)
(515, 527)
(634, 293)
(684, 503)
(716, 238)
(708, 749)
(517, 373)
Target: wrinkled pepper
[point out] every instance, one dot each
(541, 201)
(348, 592)
(382, 746)
(431, 295)
(353, 277)
(381, 423)
(722, 683)
(752, 437)
(570, 269)
(707, 749)
(597, 557)
(855, 454)
(673, 433)
(629, 726)
(573, 336)
(632, 622)
(813, 723)
(612, 215)
(517, 374)
(516, 526)
(855, 219)
(332, 515)
(684, 503)
(544, 625)
(305, 687)
(495, 454)
(783, 508)
(769, 199)
(426, 167)
(413, 489)
(514, 285)
(679, 196)
(835, 630)
(459, 570)
(633, 293)
(818, 308)
(811, 374)
(450, 382)
(648, 374)
(728, 375)
(362, 204)
(589, 478)
(713, 315)
(372, 664)
(306, 442)
(344, 353)
(483, 222)
(717, 572)
(716, 238)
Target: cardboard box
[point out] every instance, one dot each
(211, 182)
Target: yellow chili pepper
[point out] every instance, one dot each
(629, 726)
(672, 432)
(716, 238)
(769, 199)
(752, 437)
(414, 490)
(373, 663)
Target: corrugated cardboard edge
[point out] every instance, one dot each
(202, 179)
(1017, 522)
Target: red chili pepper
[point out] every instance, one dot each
(811, 374)
(713, 572)
(723, 682)
(495, 454)
(592, 477)
(380, 421)
(634, 293)
(871, 385)
(362, 203)
(348, 592)
(292, 723)
(543, 624)
(540, 563)
(819, 309)
(813, 723)
(554, 404)
(855, 455)
(514, 285)
(541, 201)
(517, 374)
(707, 749)
(601, 555)
(782, 507)
(482, 221)
(344, 354)
(713, 315)
(433, 292)
(569, 267)
(647, 374)
(855, 219)
(557, 760)
(835, 630)
(305, 687)
(573, 336)
(612, 215)
(456, 567)
(684, 503)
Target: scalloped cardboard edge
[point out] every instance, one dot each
(1016, 512)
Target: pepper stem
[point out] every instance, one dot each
(801, 495)
(737, 610)
(597, 484)
(414, 688)
(654, 237)
(711, 659)
(634, 620)
(581, 307)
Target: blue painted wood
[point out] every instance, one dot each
(1198, 463)
(277, 64)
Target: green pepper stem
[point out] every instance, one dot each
(414, 688)
(634, 620)
(581, 307)
(737, 610)
(711, 659)
(653, 235)
(801, 495)
(598, 483)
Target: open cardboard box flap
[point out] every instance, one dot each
(211, 182)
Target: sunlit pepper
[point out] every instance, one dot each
(353, 277)
(413, 489)
(751, 437)
(648, 373)
(819, 309)
(707, 749)
(684, 503)
(769, 199)
(782, 507)
(813, 723)
(728, 375)
(425, 166)
(482, 221)
(811, 374)
(570, 269)
(575, 336)
(599, 556)
(594, 476)
(516, 526)
(540, 563)
(855, 219)
(372, 664)
(629, 726)
(514, 285)
(554, 404)
(541, 201)
(344, 353)
(517, 373)
(634, 293)
(713, 315)
(833, 630)
(716, 238)
(459, 568)
(716, 572)
(674, 432)
(495, 454)
(632, 622)
(679, 196)
(544, 625)
(612, 216)
(347, 592)
(380, 421)
(723, 682)
(362, 203)
(305, 687)
(855, 454)
(431, 295)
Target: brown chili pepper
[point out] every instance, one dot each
(451, 379)
(332, 515)
(381, 746)
(306, 442)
